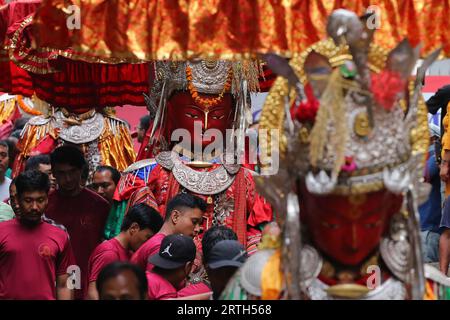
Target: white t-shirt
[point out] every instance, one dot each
(4, 189)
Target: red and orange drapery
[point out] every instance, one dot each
(55, 76)
(13, 79)
(179, 29)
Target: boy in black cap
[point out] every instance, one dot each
(171, 266)
(222, 262)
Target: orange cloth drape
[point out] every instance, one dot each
(177, 29)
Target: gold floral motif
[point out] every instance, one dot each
(361, 125)
(303, 135)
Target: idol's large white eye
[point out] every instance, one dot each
(218, 117)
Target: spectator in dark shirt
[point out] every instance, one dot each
(430, 211)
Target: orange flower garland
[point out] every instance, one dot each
(207, 102)
(25, 108)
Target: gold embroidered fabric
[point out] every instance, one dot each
(180, 29)
(7, 108)
(116, 149)
(115, 143)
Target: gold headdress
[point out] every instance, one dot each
(354, 144)
(213, 77)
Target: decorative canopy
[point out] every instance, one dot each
(134, 30)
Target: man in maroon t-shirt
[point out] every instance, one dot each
(80, 210)
(184, 215)
(172, 265)
(34, 255)
(140, 223)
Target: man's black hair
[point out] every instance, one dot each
(115, 174)
(29, 181)
(12, 151)
(113, 269)
(16, 134)
(5, 144)
(214, 235)
(68, 155)
(145, 216)
(144, 122)
(34, 162)
(20, 123)
(185, 200)
(439, 101)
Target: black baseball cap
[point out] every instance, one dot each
(227, 253)
(176, 250)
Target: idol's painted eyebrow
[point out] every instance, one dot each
(215, 108)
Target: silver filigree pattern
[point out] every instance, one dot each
(311, 264)
(165, 159)
(200, 182)
(386, 144)
(320, 184)
(93, 158)
(89, 129)
(392, 289)
(397, 180)
(139, 165)
(222, 208)
(39, 120)
(209, 76)
(396, 249)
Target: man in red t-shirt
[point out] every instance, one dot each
(81, 211)
(171, 266)
(140, 223)
(122, 281)
(34, 255)
(184, 215)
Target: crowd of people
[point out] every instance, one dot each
(53, 243)
(435, 211)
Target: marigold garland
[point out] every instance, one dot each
(207, 102)
(27, 109)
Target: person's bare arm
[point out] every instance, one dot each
(444, 251)
(92, 291)
(62, 290)
(200, 296)
(445, 165)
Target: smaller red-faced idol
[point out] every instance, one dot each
(350, 179)
(200, 111)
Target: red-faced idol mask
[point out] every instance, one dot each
(184, 112)
(348, 228)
